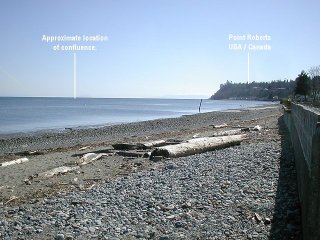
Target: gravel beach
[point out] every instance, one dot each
(11, 143)
(241, 192)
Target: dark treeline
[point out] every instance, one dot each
(255, 90)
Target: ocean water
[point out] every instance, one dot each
(34, 114)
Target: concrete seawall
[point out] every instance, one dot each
(304, 127)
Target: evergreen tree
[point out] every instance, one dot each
(302, 85)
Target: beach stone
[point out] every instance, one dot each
(171, 166)
(213, 195)
(59, 236)
(180, 224)
(164, 237)
(186, 205)
(69, 237)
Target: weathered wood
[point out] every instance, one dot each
(231, 132)
(124, 146)
(84, 148)
(28, 153)
(197, 135)
(257, 128)
(58, 170)
(220, 126)
(152, 144)
(90, 157)
(135, 146)
(198, 145)
(173, 141)
(129, 154)
(11, 199)
(17, 161)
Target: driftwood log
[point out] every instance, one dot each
(231, 132)
(220, 126)
(17, 161)
(152, 144)
(198, 145)
(90, 157)
(124, 146)
(129, 154)
(57, 171)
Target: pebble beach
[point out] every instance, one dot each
(241, 192)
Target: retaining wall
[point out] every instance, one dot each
(304, 127)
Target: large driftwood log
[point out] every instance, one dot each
(198, 145)
(17, 161)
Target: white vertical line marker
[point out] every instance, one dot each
(74, 75)
(248, 68)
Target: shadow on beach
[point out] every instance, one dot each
(286, 223)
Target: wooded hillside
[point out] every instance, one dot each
(255, 90)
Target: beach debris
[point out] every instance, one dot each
(90, 157)
(145, 145)
(88, 188)
(267, 220)
(220, 126)
(17, 161)
(57, 171)
(257, 128)
(84, 148)
(156, 158)
(171, 217)
(227, 133)
(129, 158)
(27, 181)
(257, 217)
(97, 151)
(92, 179)
(152, 144)
(231, 132)
(187, 205)
(27, 153)
(129, 154)
(173, 141)
(125, 146)
(196, 135)
(166, 207)
(12, 198)
(147, 155)
(198, 145)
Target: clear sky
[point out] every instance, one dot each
(162, 48)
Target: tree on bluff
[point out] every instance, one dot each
(302, 85)
(316, 86)
(314, 73)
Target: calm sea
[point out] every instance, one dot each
(33, 114)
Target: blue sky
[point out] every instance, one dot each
(158, 48)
